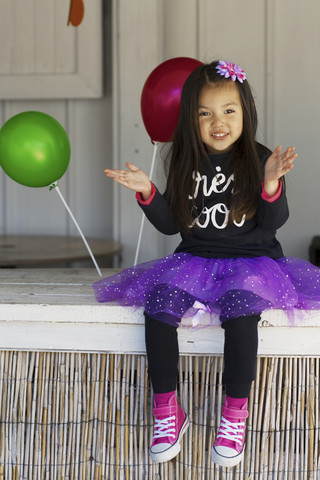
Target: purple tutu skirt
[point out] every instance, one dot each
(184, 285)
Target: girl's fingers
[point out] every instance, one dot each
(288, 153)
(133, 178)
(277, 151)
(286, 159)
(289, 161)
(280, 164)
(121, 182)
(109, 171)
(288, 165)
(132, 167)
(121, 174)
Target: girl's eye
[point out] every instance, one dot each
(229, 110)
(204, 114)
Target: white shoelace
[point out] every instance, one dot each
(231, 430)
(165, 427)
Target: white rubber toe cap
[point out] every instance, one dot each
(160, 447)
(164, 452)
(225, 456)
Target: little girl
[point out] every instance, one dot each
(226, 196)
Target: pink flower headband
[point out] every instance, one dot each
(228, 69)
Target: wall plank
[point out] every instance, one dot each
(235, 31)
(44, 36)
(137, 31)
(295, 117)
(65, 59)
(180, 28)
(2, 186)
(89, 192)
(23, 53)
(5, 36)
(180, 39)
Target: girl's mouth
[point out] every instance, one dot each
(219, 136)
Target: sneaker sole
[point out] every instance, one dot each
(226, 461)
(172, 451)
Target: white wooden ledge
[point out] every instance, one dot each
(55, 310)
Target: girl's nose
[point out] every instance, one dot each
(217, 120)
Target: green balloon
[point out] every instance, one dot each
(34, 149)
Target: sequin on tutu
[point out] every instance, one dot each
(182, 284)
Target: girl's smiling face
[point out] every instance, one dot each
(220, 117)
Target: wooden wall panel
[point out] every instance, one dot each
(89, 191)
(37, 210)
(42, 57)
(44, 27)
(65, 60)
(180, 39)
(138, 33)
(88, 124)
(6, 33)
(295, 116)
(23, 39)
(235, 31)
(275, 41)
(2, 187)
(180, 28)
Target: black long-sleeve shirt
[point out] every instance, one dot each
(210, 236)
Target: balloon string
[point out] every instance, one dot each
(155, 145)
(55, 186)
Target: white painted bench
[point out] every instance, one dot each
(55, 310)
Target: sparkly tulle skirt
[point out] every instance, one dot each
(182, 285)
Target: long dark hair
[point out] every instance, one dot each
(188, 152)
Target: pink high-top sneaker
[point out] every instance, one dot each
(171, 422)
(228, 448)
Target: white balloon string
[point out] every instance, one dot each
(55, 186)
(155, 147)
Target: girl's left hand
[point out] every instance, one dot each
(278, 164)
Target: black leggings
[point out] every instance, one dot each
(240, 354)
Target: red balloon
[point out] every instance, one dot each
(161, 94)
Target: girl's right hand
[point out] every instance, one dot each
(134, 178)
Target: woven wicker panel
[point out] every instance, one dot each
(89, 416)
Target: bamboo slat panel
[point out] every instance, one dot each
(89, 416)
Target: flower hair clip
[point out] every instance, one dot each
(231, 70)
